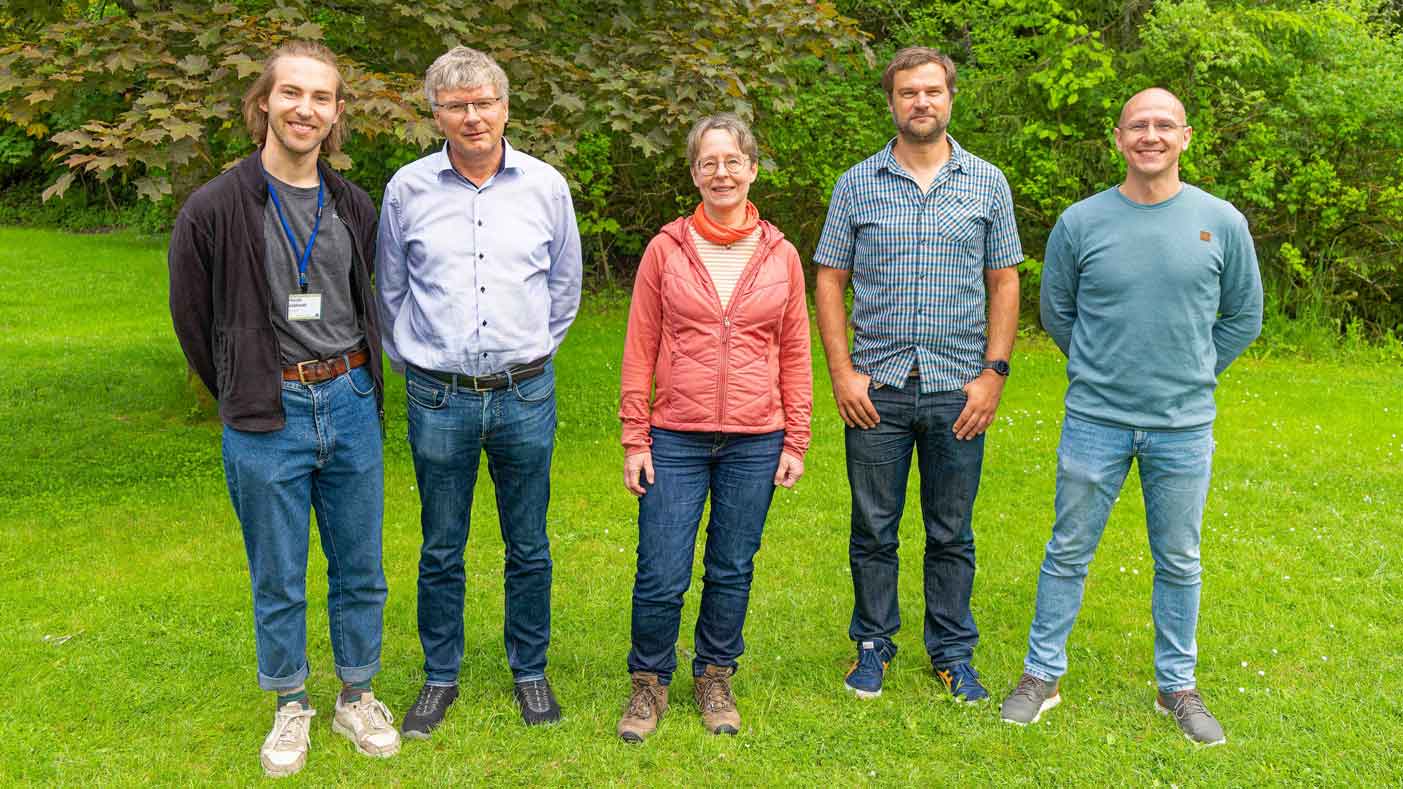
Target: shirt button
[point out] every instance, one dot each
(484, 289)
(484, 354)
(480, 256)
(479, 223)
(484, 323)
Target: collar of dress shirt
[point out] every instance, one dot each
(958, 156)
(512, 160)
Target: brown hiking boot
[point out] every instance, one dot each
(718, 706)
(646, 706)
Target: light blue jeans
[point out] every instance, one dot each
(327, 458)
(1092, 462)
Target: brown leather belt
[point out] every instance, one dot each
(485, 383)
(317, 370)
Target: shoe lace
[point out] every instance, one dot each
(716, 694)
(291, 727)
(1029, 687)
(1190, 703)
(534, 693)
(372, 713)
(869, 659)
(379, 715)
(429, 699)
(644, 700)
(963, 673)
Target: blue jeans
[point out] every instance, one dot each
(879, 463)
(738, 471)
(449, 428)
(327, 458)
(1092, 462)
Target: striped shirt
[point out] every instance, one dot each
(725, 262)
(917, 263)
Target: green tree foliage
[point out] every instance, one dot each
(1298, 118)
(159, 82)
(1295, 106)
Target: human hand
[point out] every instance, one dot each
(983, 393)
(854, 406)
(790, 470)
(640, 463)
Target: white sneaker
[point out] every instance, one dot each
(284, 752)
(368, 723)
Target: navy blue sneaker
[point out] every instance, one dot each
(963, 683)
(865, 677)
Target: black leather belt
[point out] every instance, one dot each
(486, 383)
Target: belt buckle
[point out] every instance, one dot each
(480, 389)
(302, 371)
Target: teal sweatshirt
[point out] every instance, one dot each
(1150, 303)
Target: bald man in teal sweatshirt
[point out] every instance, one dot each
(1151, 289)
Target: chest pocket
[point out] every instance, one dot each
(964, 224)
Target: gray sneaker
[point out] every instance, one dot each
(1194, 719)
(1027, 703)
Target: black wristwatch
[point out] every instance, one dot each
(999, 366)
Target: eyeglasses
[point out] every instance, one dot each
(460, 108)
(1139, 128)
(733, 165)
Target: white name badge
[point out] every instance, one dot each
(304, 306)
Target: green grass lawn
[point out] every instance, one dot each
(126, 648)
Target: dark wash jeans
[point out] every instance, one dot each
(449, 428)
(879, 463)
(328, 457)
(738, 472)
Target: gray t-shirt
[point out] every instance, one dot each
(1150, 303)
(328, 273)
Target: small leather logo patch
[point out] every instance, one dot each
(1204, 235)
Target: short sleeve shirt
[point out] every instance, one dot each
(338, 330)
(917, 262)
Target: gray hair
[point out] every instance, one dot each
(726, 121)
(463, 67)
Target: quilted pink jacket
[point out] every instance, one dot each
(745, 369)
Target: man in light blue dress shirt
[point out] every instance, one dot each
(479, 279)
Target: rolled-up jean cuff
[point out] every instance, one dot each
(358, 673)
(520, 678)
(1042, 675)
(296, 679)
(1179, 687)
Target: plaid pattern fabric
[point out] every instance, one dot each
(917, 263)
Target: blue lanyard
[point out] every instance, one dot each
(305, 256)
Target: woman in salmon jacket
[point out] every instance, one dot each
(718, 334)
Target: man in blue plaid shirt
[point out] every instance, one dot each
(925, 232)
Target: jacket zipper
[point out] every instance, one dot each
(748, 275)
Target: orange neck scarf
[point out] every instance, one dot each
(718, 233)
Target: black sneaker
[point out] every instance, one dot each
(428, 710)
(536, 701)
